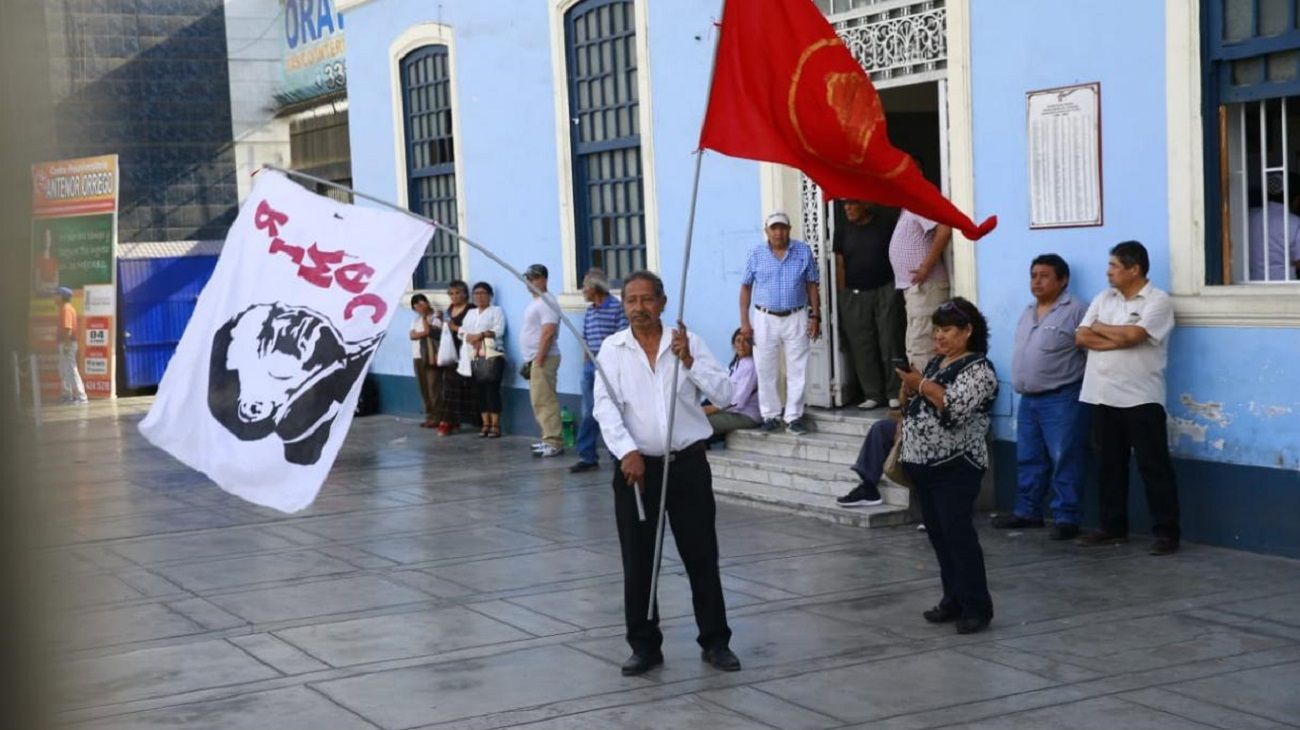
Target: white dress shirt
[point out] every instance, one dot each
(1134, 375)
(634, 417)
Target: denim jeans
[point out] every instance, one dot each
(588, 429)
(1051, 439)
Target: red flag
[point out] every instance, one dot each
(787, 90)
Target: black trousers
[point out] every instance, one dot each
(947, 494)
(1142, 431)
(691, 512)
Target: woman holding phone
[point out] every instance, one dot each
(945, 454)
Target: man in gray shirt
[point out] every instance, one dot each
(1051, 424)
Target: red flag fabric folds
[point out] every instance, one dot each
(787, 90)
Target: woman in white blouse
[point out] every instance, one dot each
(482, 353)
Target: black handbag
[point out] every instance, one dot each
(526, 370)
(487, 370)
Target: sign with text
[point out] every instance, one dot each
(314, 64)
(74, 246)
(1065, 156)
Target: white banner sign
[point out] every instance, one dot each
(261, 391)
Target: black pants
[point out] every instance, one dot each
(947, 494)
(1142, 431)
(691, 512)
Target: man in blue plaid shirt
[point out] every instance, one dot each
(604, 317)
(780, 305)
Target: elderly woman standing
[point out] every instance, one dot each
(944, 453)
(483, 355)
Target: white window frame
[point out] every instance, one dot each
(413, 38)
(1195, 302)
(569, 294)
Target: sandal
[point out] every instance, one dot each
(483, 432)
(494, 433)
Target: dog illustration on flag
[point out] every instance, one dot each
(283, 369)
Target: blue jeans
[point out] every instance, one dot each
(588, 429)
(1050, 442)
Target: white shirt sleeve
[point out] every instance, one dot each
(706, 373)
(606, 408)
(1158, 319)
(1090, 317)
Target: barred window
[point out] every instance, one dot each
(1252, 58)
(430, 159)
(605, 133)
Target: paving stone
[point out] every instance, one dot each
(503, 574)
(1269, 692)
(423, 695)
(216, 574)
(452, 544)
(160, 672)
(321, 598)
(295, 708)
(681, 712)
(128, 625)
(400, 636)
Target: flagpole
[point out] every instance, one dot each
(582, 342)
(681, 323)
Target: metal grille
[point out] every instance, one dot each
(430, 159)
(1262, 224)
(600, 40)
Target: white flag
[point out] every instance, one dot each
(261, 391)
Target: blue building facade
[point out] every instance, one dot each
(562, 131)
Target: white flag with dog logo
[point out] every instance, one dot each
(261, 391)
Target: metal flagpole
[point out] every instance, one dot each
(677, 363)
(582, 342)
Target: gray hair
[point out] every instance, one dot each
(649, 276)
(596, 279)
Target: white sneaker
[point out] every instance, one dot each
(538, 446)
(869, 404)
(548, 450)
(895, 403)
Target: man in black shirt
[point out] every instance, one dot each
(870, 309)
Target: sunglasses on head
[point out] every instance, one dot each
(951, 306)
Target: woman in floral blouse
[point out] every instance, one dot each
(944, 453)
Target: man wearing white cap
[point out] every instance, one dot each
(780, 306)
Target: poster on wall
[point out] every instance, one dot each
(313, 53)
(1064, 133)
(74, 246)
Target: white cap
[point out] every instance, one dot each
(775, 218)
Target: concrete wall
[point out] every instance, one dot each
(507, 145)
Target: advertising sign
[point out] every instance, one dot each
(74, 246)
(313, 49)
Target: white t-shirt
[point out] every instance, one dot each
(418, 327)
(537, 314)
(1135, 375)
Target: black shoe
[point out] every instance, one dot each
(970, 625)
(582, 466)
(1014, 522)
(1098, 538)
(796, 427)
(863, 495)
(640, 663)
(721, 658)
(769, 425)
(941, 615)
(1164, 546)
(1064, 531)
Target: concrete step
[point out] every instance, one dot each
(845, 421)
(827, 448)
(781, 499)
(812, 477)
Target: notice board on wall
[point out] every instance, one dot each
(1064, 135)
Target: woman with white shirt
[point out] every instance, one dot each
(743, 410)
(482, 334)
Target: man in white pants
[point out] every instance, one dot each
(780, 306)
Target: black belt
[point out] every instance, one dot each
(1057, 389)
(779, 312)
(696, 449)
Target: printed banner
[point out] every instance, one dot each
(314, 50)
(262, 389)
(74, 246)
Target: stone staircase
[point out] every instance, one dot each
(804, 474)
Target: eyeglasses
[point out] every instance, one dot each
(952, 307)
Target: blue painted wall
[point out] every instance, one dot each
(1232, 391)
(507, 146)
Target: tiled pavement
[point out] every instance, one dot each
(458, 582)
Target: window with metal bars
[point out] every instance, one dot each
(1252, 57)
(605, 134)
(430, 159)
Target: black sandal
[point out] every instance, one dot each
(494, 432)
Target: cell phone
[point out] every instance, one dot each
(901, 363)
